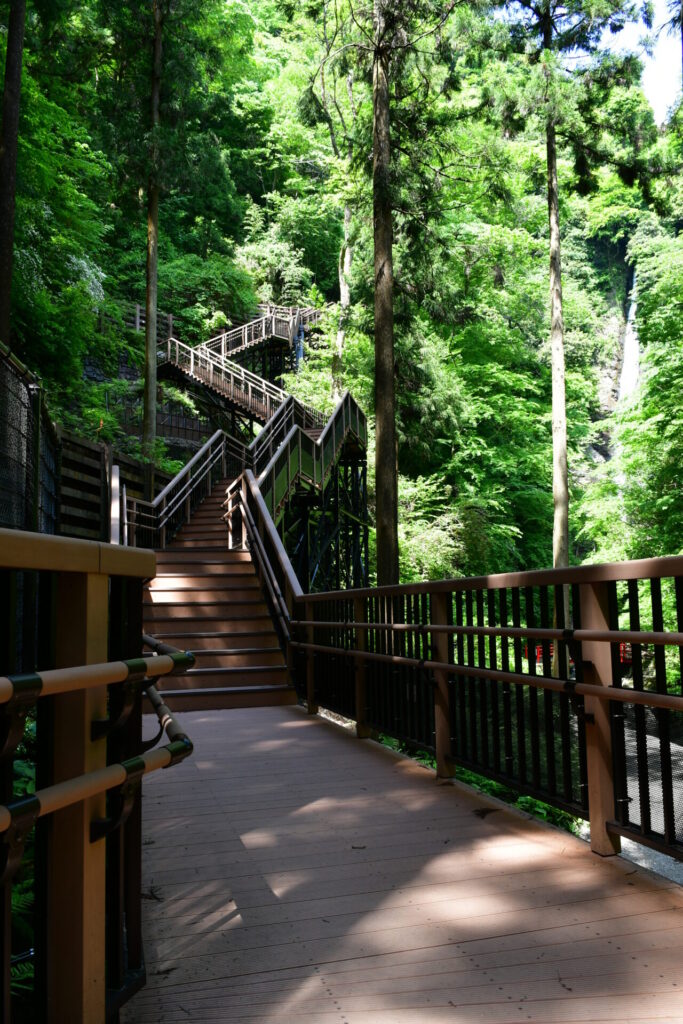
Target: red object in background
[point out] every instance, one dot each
(625, 654)
(539, 653)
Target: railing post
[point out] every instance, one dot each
(243, 486)
(359, 615)
(170, 325)
(597, 669)
(162, 532)
(311, 705)
(115, 506)
(439, 616)
(76, 867)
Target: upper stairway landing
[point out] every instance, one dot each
(208, 600)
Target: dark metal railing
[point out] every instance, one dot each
(533, 679)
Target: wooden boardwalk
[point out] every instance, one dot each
(296, 874)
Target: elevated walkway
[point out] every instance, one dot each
(308, 876)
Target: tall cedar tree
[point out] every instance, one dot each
(149, 422)
(8, 156)
(384, 29)
(388, 31)
(550, 32)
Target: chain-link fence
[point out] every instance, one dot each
(28, 452)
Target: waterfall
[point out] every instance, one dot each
(630, 366)
(628, 379)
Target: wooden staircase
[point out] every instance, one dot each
(208, 600)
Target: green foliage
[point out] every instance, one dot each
(259, 163)
(536, 808)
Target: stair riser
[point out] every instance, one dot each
(214, 568)
(205, 613)
(221, 702)
(239, 660)
(206, 681)
(182, 557)
(209, 541)
(244, 638)
(185, 624)
(216, 581)
(208, 529)
(226, 595)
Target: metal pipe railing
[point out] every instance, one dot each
(73, 791)
(84, 677)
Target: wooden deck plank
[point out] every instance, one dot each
(298, 874)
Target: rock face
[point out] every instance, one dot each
(617, 377)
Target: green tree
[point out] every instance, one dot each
(550, 35)
(9, 131)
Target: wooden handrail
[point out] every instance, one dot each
(187, 469)
(607, 572)
(22, 550)
(273, 535)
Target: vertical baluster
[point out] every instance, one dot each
(494, 685)
(561, 617)
(472, 684)
(483, 688)
(663, 717)
(461, 682)
(580, 704)
(520, 715)
(506, 692)
(640, 723)
(533, 692)
(548, 702)
(440, 611)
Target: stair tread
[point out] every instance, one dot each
(230, 652)
(233, 670)
(217, 691)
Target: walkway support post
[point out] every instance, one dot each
(597, 669)
(360, 615)
(77, 880)
(439, 616)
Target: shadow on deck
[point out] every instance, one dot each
(294, 873)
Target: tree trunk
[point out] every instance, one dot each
(559, 411)
(149, 424)
(8, 157)
(345, 262)
(385, 411)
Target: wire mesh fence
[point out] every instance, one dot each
(28, 452)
